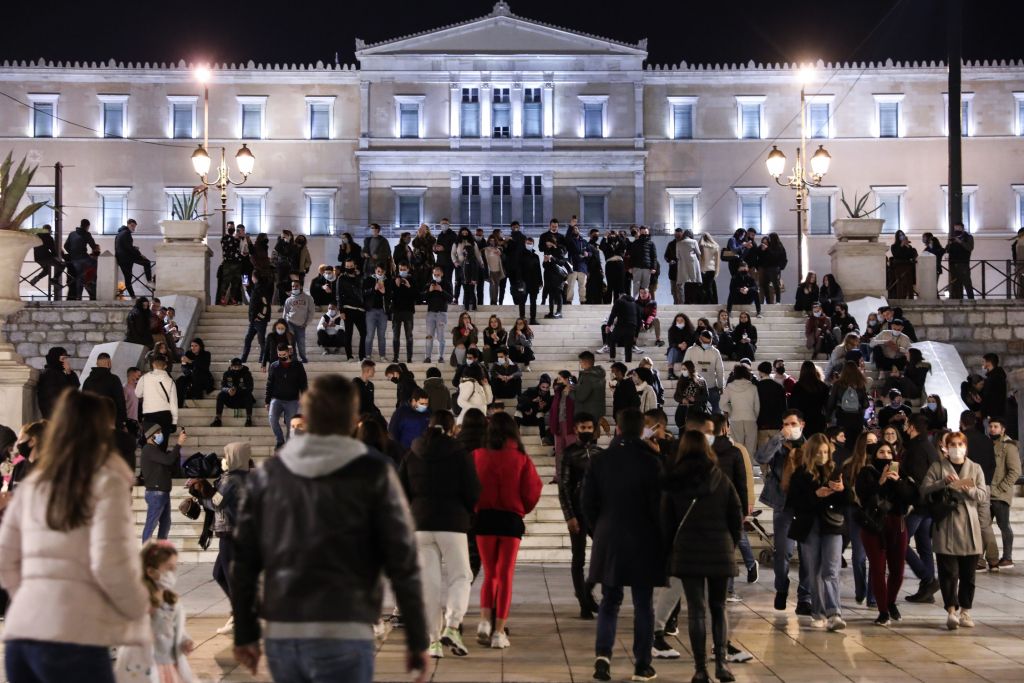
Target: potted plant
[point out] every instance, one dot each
(858, 225)
(14, 242)
(187, 223)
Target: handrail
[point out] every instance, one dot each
(999, 279)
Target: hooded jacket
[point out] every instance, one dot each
(589, 392)
(158, 393)
(322, 523)
(741, 401)
(103, 382)
(237, 455)
(708, 363)
(440, 481)
(407, 424)
(53, 380)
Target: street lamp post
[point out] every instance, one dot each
(799, 180)
(201, 159)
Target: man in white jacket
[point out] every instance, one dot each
(159, 397)
(299, 309)
(708, 363)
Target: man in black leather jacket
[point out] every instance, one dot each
(321, 522)
(574, 468)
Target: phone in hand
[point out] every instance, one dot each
(894, 467)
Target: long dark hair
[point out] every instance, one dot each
(473, 430)
(810, 376)
(502, 428)
(78, 441)
(442, 422)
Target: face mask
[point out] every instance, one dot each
(705, 346)
(932, 406)
(817, 314)
(470, 361)
(710, 438)
(167, 580)
(793, 433)
(394, 380)
(957, 454)
(648, 433)
(158, 439)
(680, 326)
(284, 360)
(502, 361)
(529, 248)
(994, 437)
(421, 408)
(584, 437)
(25, 450)
(224, 464)
(437, 279)
(403, 273)
(378, 277)
(684, 373)
(295, 292)
(280, 330)
(329, 277)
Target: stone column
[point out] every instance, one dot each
(17, 379)
(517, 196)
(454, 102)
(364, 199)
(455, 185)
(638, 197)
(860, 268)
(106, 277)
(927, 278)
(638, 114)
(486, 197)
(364, 114)
(183, 265)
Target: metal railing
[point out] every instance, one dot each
(37, 293)
(989, 279)
(138, 281)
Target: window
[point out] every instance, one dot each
(252, 209)
(252, 110)
(44, 116)
(751, 114)
(183, 116)
(320, 211)
(407, 116)
(469, 204)
(682, 117)
(173, 193)
(44, 216)
(966, 127)
(533, 201)
(113, 208)
(593, 212)
(320, 114)
(533, 113)
(751, 208)
(408, 206)
(501, 113)
(1019, 113)
(593, 109)
(888, 112)
(889, 199)
(501, 199)
(683, 207)
(820, 209)
(469, 115)
(818, 115)
(965, 118)
(1018, 191)
(114, 115)
(968, 206)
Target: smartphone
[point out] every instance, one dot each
(894, 467)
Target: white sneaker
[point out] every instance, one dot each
(603, 349)
(732, 597)
(483, 633)
(499, 641)
(953, 621)
(436, 650)
(818, 622)
(227, 628)
(965, 619)
(637, 349)
(836, 623)
(453, 639)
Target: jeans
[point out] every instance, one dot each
(665, 600)
(922, 562)
(710, 287)
(781, 521)
(956, 579)
(747, 553)
(38, 661)
(823, 555)
(158, 512)
(532, 296)
(320, 660)
(355, 319)
(300, 340)
(258, 330)
(703, 595)
(222, 565)
(583, 589)
(643, 622)
(770, 281)
(858, 553)
(455, 582)
(714, 397)
(751, 297)
(641, 280)
(399, 320)
(555, 298)
(279, 410)
(1001, 515)
(376, 323)
(437, 328)
(960, 280)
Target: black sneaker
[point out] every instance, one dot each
(803, 609)
(216, 422)
(644, 673)
(882, 620)
(672, 377)
(672, 626)
(722, 673)
(894, 612)
(660, 649)
(549, 316)
(533, 321)
(602, 669)
(248, 422)
(780, 601)
(558, 316)
(752, 574)
(926, 592)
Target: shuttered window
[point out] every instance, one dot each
(533, 113)
(251, 210)
(593, 120)
(113, 119)
(888, 119)
(533, 201)
(470, 200)
(750, 212)
(501, 200)
(817, 119)
(593, 210)
(409, 212)
(182, 114)
(42, 119)
(501, 113)
(252, 121)
(682, 121)
(319, 121)
(820, 217)
(682, 213)
(319, 215)
(410, 120)
(890, 210)
(469, 122)
(750, 120)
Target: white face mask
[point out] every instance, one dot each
(648, 433)
(684, 373)
(502, 361)
(437, 278)
(680, 325)
(167, 580)
(710, 438)
(792, 433)
(957, 454)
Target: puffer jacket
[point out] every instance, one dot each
(705, 543)
(740, 400)
(321, 522)
(230, 486)
(959, 533)
(87, 581)
(439, 478)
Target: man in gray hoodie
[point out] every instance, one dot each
(299, 309)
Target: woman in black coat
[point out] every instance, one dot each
(744, 337)
(829, 294)
(806, 293)
(279, 334)
(196, 380)
(137, 324)
(810, 396)
(701, 520)
(56, 376)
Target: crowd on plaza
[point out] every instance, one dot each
(858, 455)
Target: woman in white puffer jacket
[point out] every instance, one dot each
(741, 404)
(474, 391)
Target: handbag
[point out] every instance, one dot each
(872, 516)
(941, 504)
(729, 255)
(833, 517)
(190, 507)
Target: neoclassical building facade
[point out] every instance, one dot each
(503, 118)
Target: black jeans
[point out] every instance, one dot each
(556, 295)
(225, 553)
(40, 661)
(238, 402)
(751, 297)
(643, 622)
(622, 336)
(400, 319)
(530, 294)
(960, 280)
(258, 330)
(704, 594)
(126, 273)
(710, 287)
(956, 579)
(583, 589)
(615, 273)
(355, 320)
(1001, 517)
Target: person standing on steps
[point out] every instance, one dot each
(571, 475)
(1004, 482)
(643, 260)
(918, 456)
(56, 376)
(532, 281)
(439, 297)
(621, 504)
(236, 387)
(403, 310)
(159, 396)
(286, 382)
(958, 250)
(105, 383)
(589, 390)
(128, 255)
(364, 383)
(158, 465)
(259, 314)
(622, 325)
(707, 361)
(377, 294)
(351, 300)
(299, 311)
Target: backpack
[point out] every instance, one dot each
(200, 466)
(850, 401)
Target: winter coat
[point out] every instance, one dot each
(103, 382)
(259, 303)
(125, 251)
(773, 453)
(901, 493)
(285, 381)
(708, 363)
(688, 258)
(158, 393)
(509, 482)
(438, 396)
(621, 503)
(805, 297)
(575, 465)
(642, 253)
(704, 544)
(472, 394)
(1007, 472)
(137, 327)
(87, 581)
(735, 468)
(740, 400)
(959, 533)
(710, 255)
(807, 508)
(811, 402)
(230, 486)
(407, 424)
(198, 372)
(648, 398)
(439, 478)
(773, 403)
(994, 393)
(625, 315)
(590, 393)
(157, 466)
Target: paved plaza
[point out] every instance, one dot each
(551, 643)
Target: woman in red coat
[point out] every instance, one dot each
(509, 490)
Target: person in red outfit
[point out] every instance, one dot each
(509, 489)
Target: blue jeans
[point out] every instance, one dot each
(320, 660)
(37, 661)
(376, 322)
(783, 555)
(822, 553)
(282, 409)
(922, 562)
(437, 328)
(746, 553)
(861, 578)
(643, 622)
(714, 396)
(158, 511)
(300, 340)
(257, 330)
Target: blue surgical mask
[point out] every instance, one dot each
(379, 277)
(158, 438)
(421, 408)
(403, 273)
(705, 346)
(932, 406)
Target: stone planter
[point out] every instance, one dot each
(14, 245)
(17, 380)
(184, 231)
(867, 229)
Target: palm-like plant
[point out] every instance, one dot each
(185, 207)
(12, 189)
(857, 211)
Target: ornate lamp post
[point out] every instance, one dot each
(799, 180)
(201, 159)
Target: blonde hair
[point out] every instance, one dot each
(153, 555)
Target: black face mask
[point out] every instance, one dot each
(584, 437)
(24, 449)
(994, 437)
(394, 380)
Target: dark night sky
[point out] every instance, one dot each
(703, 31)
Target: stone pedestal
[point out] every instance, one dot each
(17, 379)
(107, 273)
(927, 278)
(183, 268)
(1015, 378)
(859, 267)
